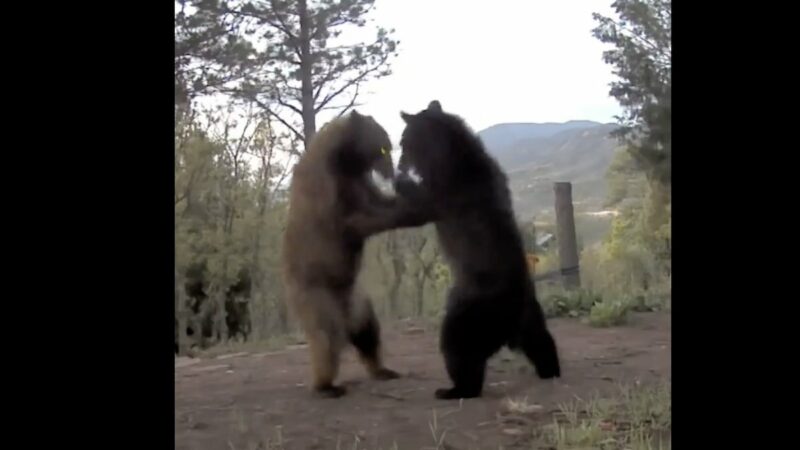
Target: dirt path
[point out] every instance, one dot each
(259, 401)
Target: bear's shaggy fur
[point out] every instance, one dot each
(492, 302)
(333, 207)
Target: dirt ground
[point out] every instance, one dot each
(261, 400)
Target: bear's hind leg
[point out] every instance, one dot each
(537, 342)
(467, 374)
(365, 335)
(325, 350)
(465, 355)
(324, 325)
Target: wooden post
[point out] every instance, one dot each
(565, 234)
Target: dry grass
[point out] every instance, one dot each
(638, 418)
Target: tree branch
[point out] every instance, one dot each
(280, 25)
(351, 105)
(630, 34)
(180, 198)
(324, 81)
(333, 70)
(285, 28)
(244, 137)
(276, 9)
(287, 85)
(282, 102)
(349, 84)
(280, 119)
(340, 19)
(284, 173)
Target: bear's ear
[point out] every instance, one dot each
(435, 106)
(407, 118)
(356, 119)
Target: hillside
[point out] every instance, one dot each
(536, 155)
(503, 137)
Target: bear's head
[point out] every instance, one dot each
(368, 146)
(427, 141)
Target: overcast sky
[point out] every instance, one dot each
(494, 61)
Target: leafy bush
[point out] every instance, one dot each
(609, 313)
(569, 303)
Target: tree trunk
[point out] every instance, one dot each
(421, 296)
(394, 291)
(283, 316)
(399, 269)
(306, 67)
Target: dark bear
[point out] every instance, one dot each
(492, 302)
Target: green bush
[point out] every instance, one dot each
(569, 303)
(603, 310)
(609, 313)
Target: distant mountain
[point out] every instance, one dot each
(504, 134)
(536, 155)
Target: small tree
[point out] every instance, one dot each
(642, 59)
(211, 53)
(309, 68)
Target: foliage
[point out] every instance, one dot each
(230, 212)
(642, 59)
(638, 417)
(626, 263)
(608, 313)
(315, 68)
(242, 68)
(405, 273)
(625, 180)
(211, 53)
(228, 216)
(292, 58)
(635, 258)
(573, 303)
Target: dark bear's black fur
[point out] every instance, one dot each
(492, 302)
